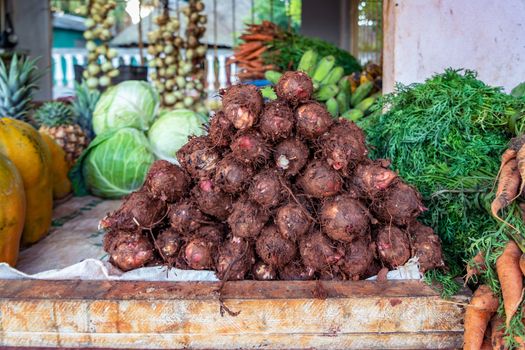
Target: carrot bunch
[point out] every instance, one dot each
(248, 55)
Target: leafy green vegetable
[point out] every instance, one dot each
(519, 90)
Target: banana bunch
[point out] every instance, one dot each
(341, 95)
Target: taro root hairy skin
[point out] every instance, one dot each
(313, 120)
(273, 249)
(295, 271)
(185, 217)
(231, 175)
(318, 252)
(294, 87)
(319, 180)
(292, 221)
(277, 120)
(263, 272)
(291, 156)
(267, 189)
(199, 254)
(344, 219)
(426, 247)
(220, 130)
(242, 105)
(167, 181)
(247, 218)
(211, 200)
(393, 245)
(250, 148)
(128, 251)
(371, 178)
(198, 157)
(344, 146)
(168, 242)
(400, 205)
(359, 255)
(235, 259)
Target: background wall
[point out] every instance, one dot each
(424, 37)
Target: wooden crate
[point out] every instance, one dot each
(273, 315)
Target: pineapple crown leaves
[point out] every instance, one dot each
(54, 114)
(17, 85)
(84, 105)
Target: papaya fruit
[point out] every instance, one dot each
(12, 210)
(59, 168)
(24, 146)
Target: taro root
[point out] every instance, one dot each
(359, 255)
(294, 87)
(128, 251)
(318, 252)
(371, 178)
(267, 189)
(235, 259)
(293, 221)
(167, 181)
(168, 242)
(277, 121)
(198, 157)
(343, 146)
(247, 218)
(393, 245)
(344, 219)
(200, 251)
(291, 156)
(313, 120)
(273, 249)
(426, 246)
(400, 205)
(242, 105)
(250, 148)
(221, 130)
(212, 200)
(185, 217)
(263, 272)
(231, 175)
(319, 180)
(295, 271)
(140, 209)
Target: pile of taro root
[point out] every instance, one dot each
(277, 190)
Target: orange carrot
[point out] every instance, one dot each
(254, 37)
(475, 266)
(520, 158)
(522, 264)
(505, 158)
(508, 185)
(477, 316)
(257, 53)
(498, 332)
(510, 278)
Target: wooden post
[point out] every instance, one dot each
(354, 28)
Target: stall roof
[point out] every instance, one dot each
(71, 22)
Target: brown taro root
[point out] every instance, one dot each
(168, 242)
(293, 221)
(250, 148)
(167, 181)
(344, 219)
(185, 217)
(373, 177)
(198, 157)
(273, 249)
(318, 252)
(212, 200)
(400, 205)
(295, 271)
(294, 87)
(140, 209)
(200, 251)
(235, 259)
(359, 256)
(393, 245)
(319, 180)
(231, 175)
(343, 146)
(277, 120)
(313, 120)
(267, 188)
(128, 251)
(247, 218)
(263, 272)
(242, 105)
(426, 246)
(291, 156)
(220, 130)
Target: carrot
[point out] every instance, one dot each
(510, 278)
(258, 37)
(246, 48)
(498, 332)
(257, 53)
(475, 266)
(508, 185)
(522, 264)
(505, 158)
(477, 316)
(520, 158)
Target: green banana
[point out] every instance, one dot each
(323, 68)
(342, 101)
(361, 93)
(333, 76)
(326, 92)
(353, 114)
(332, 107)
(308, 62)
(364, 105)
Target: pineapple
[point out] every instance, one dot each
(57, 120)
(17, 84)
(84, 105)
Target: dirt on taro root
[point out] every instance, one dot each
(249, 147)
(290, 156)
(242, 105)
(220, 130)
(344, 219)
(169, 242)
(212, 200)
(313, 120)
(128, 250)
(277, 121)
(198, 157)
(235, 259)
(267, 188)
(294, 87)
(426, 246)
(318, 252)
(400, 205)
(231, 175)
(261, 271)
(358, 258)
(185, 217)
(393, 245)
(167, 181)
(201, 250)
(319, 180)
(293, 221)
(273, 249)
(373, 177)
(247, 218)
(295, 271)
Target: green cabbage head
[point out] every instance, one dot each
(131, 103)
(171, 130)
